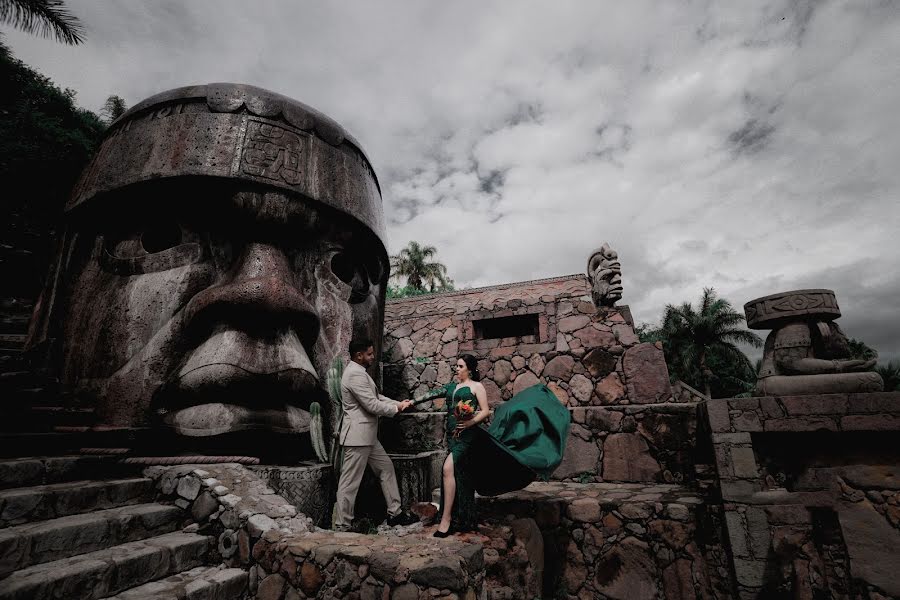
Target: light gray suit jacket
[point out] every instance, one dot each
(362, 406)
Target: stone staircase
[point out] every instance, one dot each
(82, 527)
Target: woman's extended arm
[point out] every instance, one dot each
(440, 392)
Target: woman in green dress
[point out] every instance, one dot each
(464, 397)
(525, 441)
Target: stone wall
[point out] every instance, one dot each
(810, 485)
(627, 423)
(618, 541)
(587, 357)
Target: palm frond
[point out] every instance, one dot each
(47, 18)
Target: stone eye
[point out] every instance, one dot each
(342, 267)
(160, 236)
(351, 271)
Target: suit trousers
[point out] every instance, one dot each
(355, 460)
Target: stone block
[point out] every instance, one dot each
(870, 423)
(626, 457)
(627, 571)
(610, 390)
(559, 368)
(599, 363)
(810, 423)
(591, 337)
(646, 375)
(572, 323)
(879, 402)
(737, 535)
(738, 489)
(580, 457)
(603, 420)
(585, 510)
(271, 588)
(758, 527)
(524, 381)
(748, 420)
(820, 404)
(189, 487)
(719, 421)
(743, 462)
(581, 388)
(678, 582)
(750, 573)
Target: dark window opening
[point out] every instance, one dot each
(506, 327)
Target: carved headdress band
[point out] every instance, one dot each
(240, 132)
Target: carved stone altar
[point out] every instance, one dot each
(220, 250)
(806, 352)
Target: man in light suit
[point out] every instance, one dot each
(359, 437)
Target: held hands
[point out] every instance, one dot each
(403, 405)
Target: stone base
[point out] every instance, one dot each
(811, 487)
(617, 540)
(308, 487)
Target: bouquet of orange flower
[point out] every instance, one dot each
(464, 410)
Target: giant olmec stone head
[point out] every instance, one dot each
(220, 250)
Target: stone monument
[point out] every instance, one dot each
(220, 250)
(605, 275)
(806, 351)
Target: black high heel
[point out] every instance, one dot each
(442, 534)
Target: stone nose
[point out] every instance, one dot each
(259, 296)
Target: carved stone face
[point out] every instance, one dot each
(605, 272)
(214, 307)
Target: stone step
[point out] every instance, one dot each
(25, 472)
(66, 440)
(200, 583)
(25, 545)
(108, 571)
(42, 502)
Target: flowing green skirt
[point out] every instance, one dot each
(525, 441)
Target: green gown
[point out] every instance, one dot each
(526, 440)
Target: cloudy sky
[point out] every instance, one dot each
(749, 146)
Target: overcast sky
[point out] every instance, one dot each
(749, 146)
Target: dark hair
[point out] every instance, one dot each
(360, 345)
(472, 365)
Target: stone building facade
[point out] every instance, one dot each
(627, 424)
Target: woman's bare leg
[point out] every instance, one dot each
(449, 493)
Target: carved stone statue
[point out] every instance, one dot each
(605, 273)
(806, 352)
(220, 250)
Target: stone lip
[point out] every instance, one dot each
(769, 312)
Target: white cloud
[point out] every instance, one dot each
(748, 146)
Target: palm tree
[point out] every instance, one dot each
(413, 263)
(42, 17)
(691, 337)
(113, 108)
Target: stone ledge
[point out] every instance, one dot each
(330, 564)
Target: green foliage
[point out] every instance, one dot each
(859, 350)
(890, 373)
(45, 142)
(700, 346)
(316, 431)
(47, 18)
(113, 108)
(415, 264)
